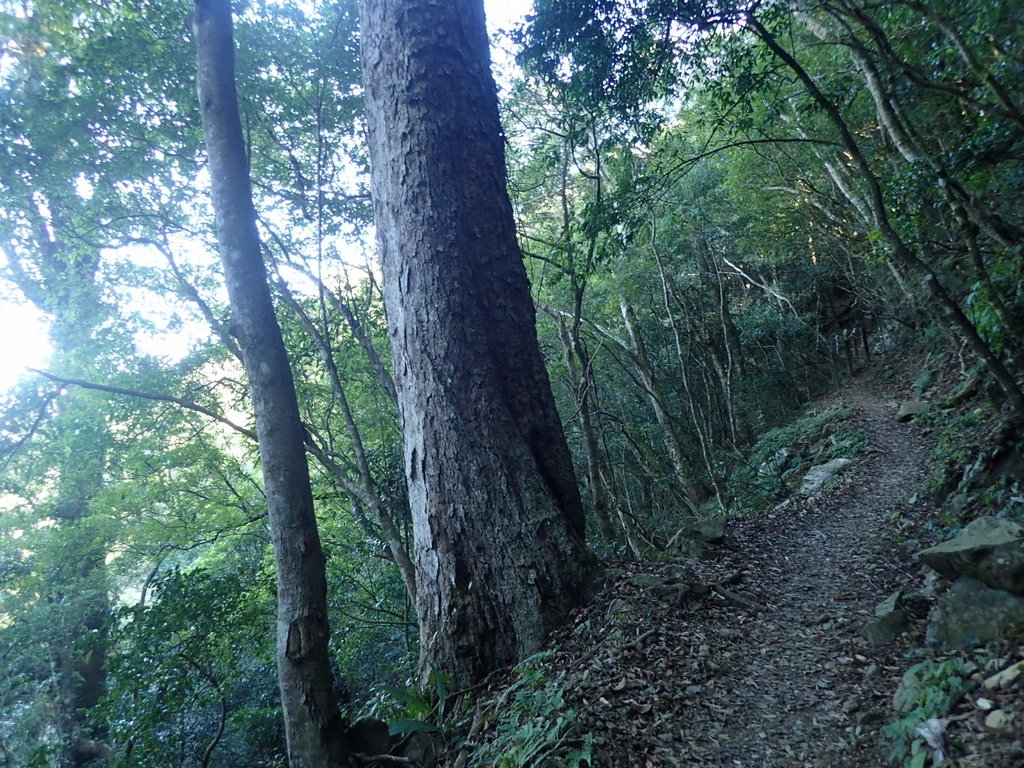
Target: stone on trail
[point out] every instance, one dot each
(887, 627)
(997, 719)
(646, 581)
(989, 549)
(888, 605)
(696, 533)
(817, 476)
(1006, 677)
(909, 409)
(971, 614)
(891, 621)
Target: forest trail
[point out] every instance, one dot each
(790, 683)
(800, 686)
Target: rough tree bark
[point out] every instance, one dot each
(313, 725)
(497, 517)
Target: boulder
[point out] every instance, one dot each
(989, 549)
(890, 604)
(776, 463)
(696, 534)
(887, 627)
(892, 620)
(646, 581)
(909, 409)
(419, 749)
(710, 530)
(971, 614)
(817, 476)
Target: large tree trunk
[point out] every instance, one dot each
(313, 725)
(62, 283)
(497, 516)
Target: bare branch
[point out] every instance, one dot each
(189, 405)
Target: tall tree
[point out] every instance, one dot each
(313, 724)
(497, 516)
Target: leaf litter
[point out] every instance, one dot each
(756, 658)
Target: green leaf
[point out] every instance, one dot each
(405, 727)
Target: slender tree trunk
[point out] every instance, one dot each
(698, 427)
(675, 450)
(580, 382)
(313, 724)
(497, 518)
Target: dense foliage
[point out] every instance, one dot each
(723, 207)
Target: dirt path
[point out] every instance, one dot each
(716, 683)
(803, 679)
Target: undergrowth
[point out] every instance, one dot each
(528, 726)
(928, 690)
(533, 725)
(781, 456)
(978, 470)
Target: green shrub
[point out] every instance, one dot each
(928, 690)
(534, 724)
(782, 455)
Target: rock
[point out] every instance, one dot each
(676, 594)
(971, 613)
(817, 476)
(990, 550)
(1005, 677)
(710, 530)
(909, 409)
(887, 627)
(682, 571)
(776, 463)
(695, 534)
(888, 605)
(420, 749)
(997, 719)
(646, 581)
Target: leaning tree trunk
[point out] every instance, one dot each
(680, 463)
(942, 302)
(497, 516)
(314, 728)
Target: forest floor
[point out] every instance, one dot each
(769, 669)
(787, 680)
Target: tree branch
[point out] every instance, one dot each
(190, 405)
